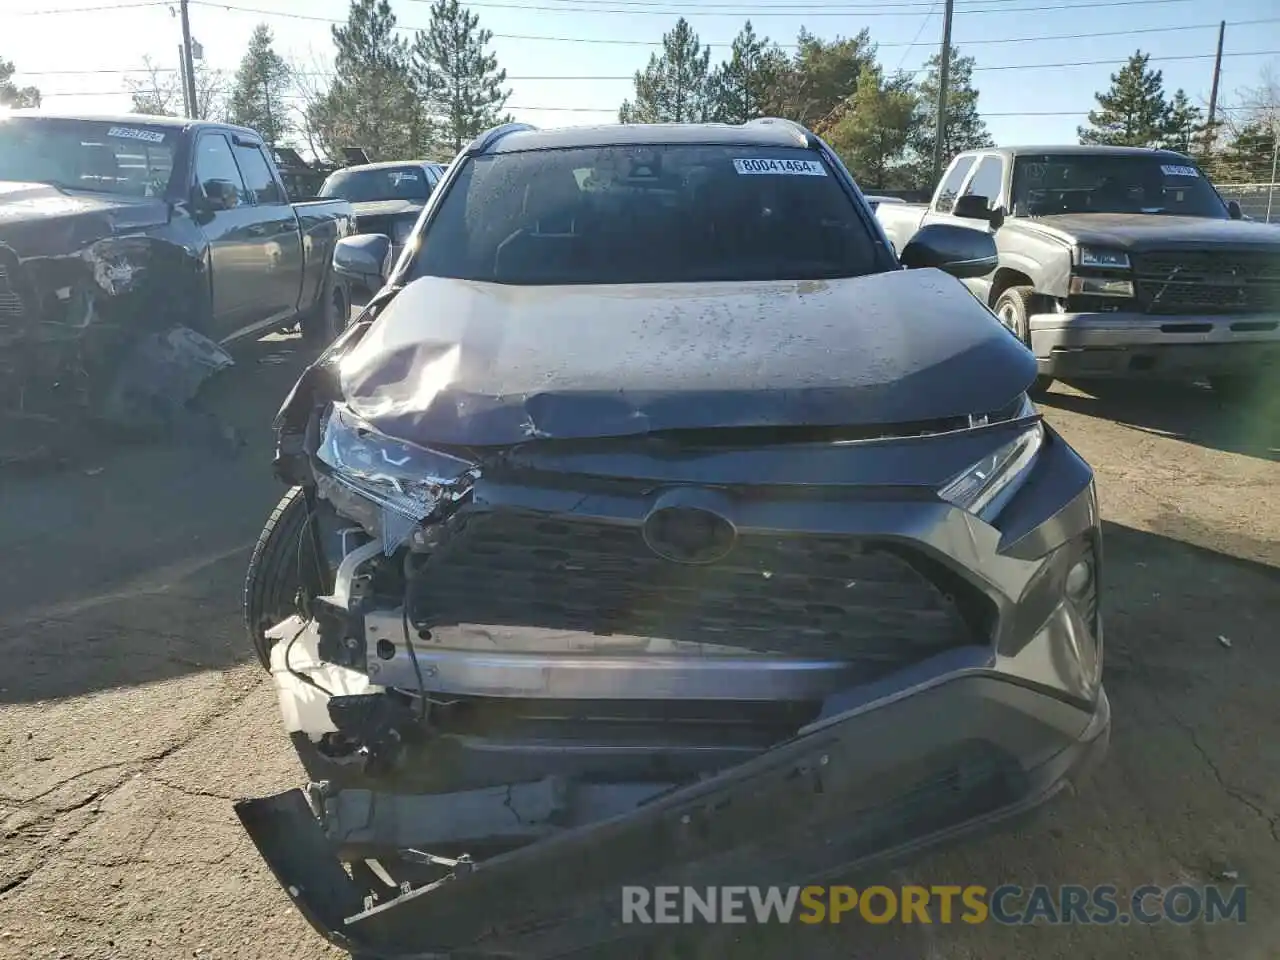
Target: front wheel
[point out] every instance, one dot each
(330, 315)
(283, 569)
(1013, 308)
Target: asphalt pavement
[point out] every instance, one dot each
(131, 713)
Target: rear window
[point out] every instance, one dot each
(660, 214)
(368, 186)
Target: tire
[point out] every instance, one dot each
(278, 572)
(1013, 308)
(329, 317)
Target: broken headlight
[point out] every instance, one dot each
(407, 482)
(986, 486)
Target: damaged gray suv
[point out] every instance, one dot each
(654, 525)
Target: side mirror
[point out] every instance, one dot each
(959, 251)
(1234, 210)
(972, 207)
(995, 217)
(365, 259)
(217, 195)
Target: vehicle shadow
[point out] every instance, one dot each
(1185, 411)
(125, 567)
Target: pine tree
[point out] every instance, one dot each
(11, 95)
(1133, 112)
(257, 97)
(371, 103)
(743, 87)
(673, 88)
(965, 129)
(822, 75)
(458, 83)
(872, 132)
(1184, 124)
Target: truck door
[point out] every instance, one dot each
(276, 245)
(224, 217)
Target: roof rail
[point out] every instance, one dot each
(487, 139)
(804, 134)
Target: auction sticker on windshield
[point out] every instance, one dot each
(1171, 170)
(129, 133)
(790, 168)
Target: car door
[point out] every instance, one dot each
(276, 241)
(223, 211)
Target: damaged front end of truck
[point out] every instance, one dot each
(533, 646)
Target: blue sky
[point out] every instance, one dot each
(72, 52)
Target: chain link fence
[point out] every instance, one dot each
(1259, 201)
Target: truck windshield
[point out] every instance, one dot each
(647, 214)
(1101, 183)
(117, 158)
(369, 186)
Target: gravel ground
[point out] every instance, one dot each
(130, 714)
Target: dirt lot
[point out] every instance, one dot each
(130, 714)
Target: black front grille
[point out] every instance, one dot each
(1208, 281)
(802, 596)
(12, 303)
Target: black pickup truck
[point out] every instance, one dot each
(116, 229)
(1115, 261)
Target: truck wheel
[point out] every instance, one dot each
(282, 566)
(329, 318)
(1013, 307)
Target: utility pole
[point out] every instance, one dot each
(1213, 95)
(182, 75)
(944, 70)
(188, 64)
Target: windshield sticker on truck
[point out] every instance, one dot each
(1170, 170)
(129, 133)
(789, 168)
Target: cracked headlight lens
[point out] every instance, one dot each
(986, 486)
(409, 481)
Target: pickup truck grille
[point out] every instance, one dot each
(12, 305)
(1208, 281)
(795, 596)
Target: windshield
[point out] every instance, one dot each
(368, 186)
(126, 160)
(1098, 183)
(653, 214)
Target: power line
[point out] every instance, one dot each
(877, 10)
(916, 39)
(657, 43)
(112, 6)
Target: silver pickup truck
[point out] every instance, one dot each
(1115, 262)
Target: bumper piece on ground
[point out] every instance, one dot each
(1131, 344)
(883, 782)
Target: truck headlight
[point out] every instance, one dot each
(411, 482)
(1101, 287)
(985, 487)
(1101, 257)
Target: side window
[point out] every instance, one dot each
(257, 175)
(987, 181)
(951, 185)
(217, 172)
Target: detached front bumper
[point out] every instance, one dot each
(1136, 344)
(881, 775)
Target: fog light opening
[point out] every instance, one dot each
(1079, 580)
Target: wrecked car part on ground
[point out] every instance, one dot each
(131, 247)
(745, 562)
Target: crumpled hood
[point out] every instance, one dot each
(38, 220)
(1133, 231)
(469, 363)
